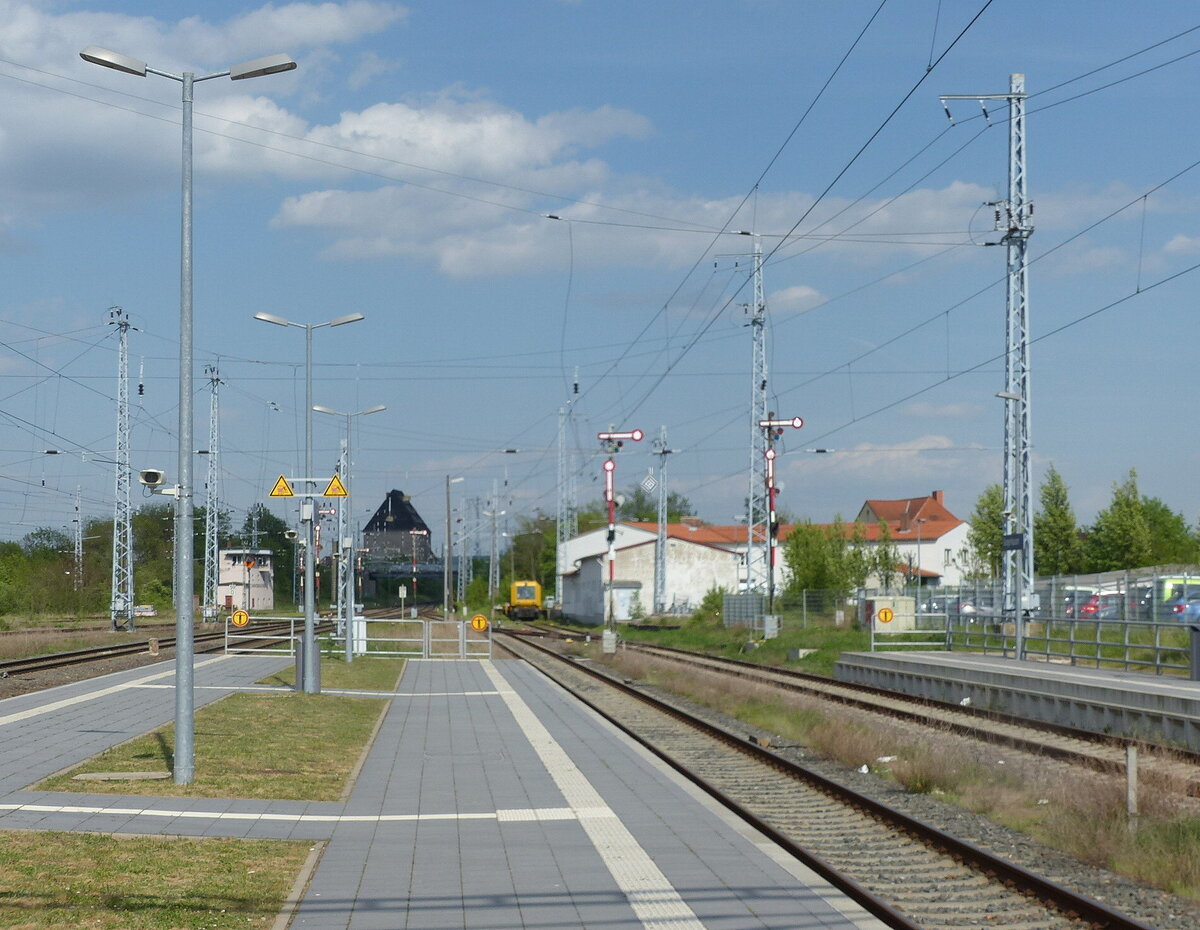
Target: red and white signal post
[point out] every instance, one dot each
(613, 441)
(774, 429)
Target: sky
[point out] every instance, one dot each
(517, 195)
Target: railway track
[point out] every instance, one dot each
(204, 642)
(1099, 751)
(907, 873)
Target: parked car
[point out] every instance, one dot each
(949, 604)
(1073, 598)
(1110, 607)
(1087, 607)
(1184, 607)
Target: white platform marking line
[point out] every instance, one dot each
(288, 689)
(94, 695)
(506, 816)
(653, 898)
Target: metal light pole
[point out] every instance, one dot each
(184, 569)
(310, 668)
(348, 550)
(448, 571)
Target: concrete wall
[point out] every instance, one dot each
(691, 571)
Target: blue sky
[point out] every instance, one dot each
(404, 170)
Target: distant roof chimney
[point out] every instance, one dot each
(692, 522)
(937, 496)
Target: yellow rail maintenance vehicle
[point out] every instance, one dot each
(524, 601)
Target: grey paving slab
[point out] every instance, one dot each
(446, 754)
(470, 824)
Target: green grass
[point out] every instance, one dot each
(828, 640)
(96, 882)
(261, 746)
(363, 674)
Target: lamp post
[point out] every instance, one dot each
(448, 573)
(348, 550)
(309, 667)
(184, 653)
(920, 521)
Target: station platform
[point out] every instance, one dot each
(1102, 700)
(489, 799)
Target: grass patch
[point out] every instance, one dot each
(827, 639)
(363, 674)
(99, 882)
(33, 642)
(260, 746)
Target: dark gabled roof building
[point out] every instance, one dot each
(397, 532)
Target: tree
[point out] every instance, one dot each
(885, 557)
(1120, 537)
(1170, 541)
(986, 538)
(1057, 549)
(271, 535)
(531, 552)
(815, 558)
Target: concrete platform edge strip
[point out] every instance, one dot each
(650, 893)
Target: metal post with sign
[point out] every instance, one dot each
(308, 665)
(613, 441)
(774, 429)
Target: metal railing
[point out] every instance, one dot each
(1160, 647)
(415, 639)
(268, 632)
(907, 632)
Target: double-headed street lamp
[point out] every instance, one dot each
(184, 570)
(310, 682)
(352, 530)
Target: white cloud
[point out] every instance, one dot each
(800, 297)
(924, 457)
(1183, 245)
(369, 67)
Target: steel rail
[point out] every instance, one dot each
(1067, 902)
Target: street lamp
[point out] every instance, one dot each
(348, 550)
(448, 572)
(310, 669)
(184, 650)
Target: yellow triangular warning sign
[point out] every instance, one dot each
(335, 488)
(282, 488)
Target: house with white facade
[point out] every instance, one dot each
(245, 579)
(928, 538)
(699, 558)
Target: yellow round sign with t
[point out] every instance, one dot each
(885, 615)
(479, 623)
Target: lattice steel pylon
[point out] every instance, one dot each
(212, 500)
(660, 549)
(121, 601)
(756, 501)
(77, 566)
(567, 510)
(468, 546)
(1014, 220)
